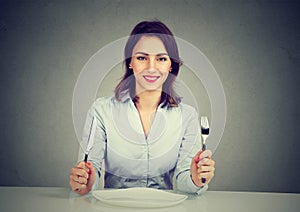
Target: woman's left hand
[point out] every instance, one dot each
(202, 166)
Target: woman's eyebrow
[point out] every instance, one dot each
(144, 53)
(161, 54)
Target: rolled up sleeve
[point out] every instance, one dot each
(97, 152)
(191, 144)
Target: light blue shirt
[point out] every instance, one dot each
(133, 160)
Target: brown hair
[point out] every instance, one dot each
(169, 98)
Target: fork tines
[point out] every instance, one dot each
(204, 125)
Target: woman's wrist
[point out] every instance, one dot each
(195, 180)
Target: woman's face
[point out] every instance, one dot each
(150, 63)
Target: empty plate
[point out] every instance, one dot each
(139, 197)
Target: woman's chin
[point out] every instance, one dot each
(150, 89)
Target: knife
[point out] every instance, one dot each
(90, 141)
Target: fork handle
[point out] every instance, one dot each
(203, 180)
(203, 147)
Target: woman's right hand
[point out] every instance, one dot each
(82, 177)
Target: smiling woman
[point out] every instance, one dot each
(151, 64)
(144, 134)
(156, 33)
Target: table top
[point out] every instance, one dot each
(63, 199)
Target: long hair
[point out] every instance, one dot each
(169, 98)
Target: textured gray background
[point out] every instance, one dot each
(254, 46)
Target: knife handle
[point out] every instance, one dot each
(85, 158)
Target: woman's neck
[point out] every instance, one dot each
(148, 100)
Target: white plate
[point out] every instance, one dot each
(139, 197)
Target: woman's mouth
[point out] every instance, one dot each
(151, 79)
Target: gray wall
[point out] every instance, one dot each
(254, 46)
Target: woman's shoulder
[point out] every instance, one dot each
(105, 101)
(187, 110)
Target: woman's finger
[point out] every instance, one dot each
(78, 179)
(76, 185)
(205, 154)
(206, 175)
(206, 162)
(206, 169)
(79, 172)
(82, 165)
(196, 158)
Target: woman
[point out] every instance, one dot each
(144, 134)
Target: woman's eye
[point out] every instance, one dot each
(141, 58)
(162, 59)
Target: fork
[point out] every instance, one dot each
(204, 134)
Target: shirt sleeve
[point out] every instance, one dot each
(97, 152)
(191, 144)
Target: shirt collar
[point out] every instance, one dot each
(125, 95)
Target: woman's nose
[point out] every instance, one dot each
(152, 64)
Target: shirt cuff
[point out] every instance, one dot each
(196, 189)
(97, 179)
(95, 186)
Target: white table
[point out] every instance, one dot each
(53, 199)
